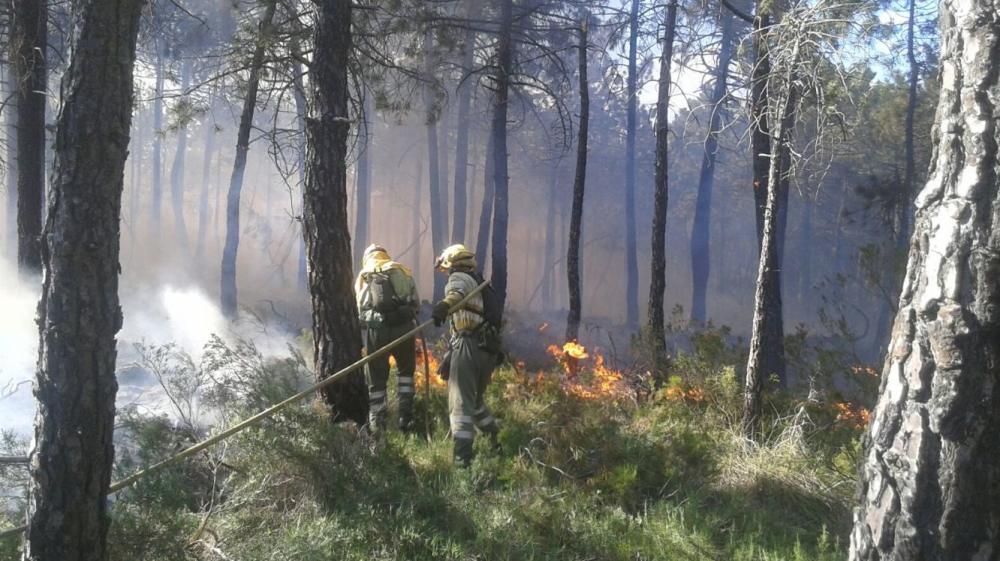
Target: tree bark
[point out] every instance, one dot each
(573, 265)
(486, 211)
(909, 173)
(79, 313)
(439, 227)
(10, 129)
(206, 176)
(228, 293)
(505, 55)
(764, 312)
(362, 198)
(658, 280)
(336, 333)
(473, 8)
(29, 40)
(701, 227)
(930, 480)
(631, 245)
(155, 208)
(299, 94)
(177, 169)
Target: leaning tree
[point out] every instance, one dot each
(931, 473)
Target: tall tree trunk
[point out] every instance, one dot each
(79, 313)
(631, 245)
(764, 312)
(658, 281)
(10, 136)
(177, 169)
(417, 236)
(155, 208)
(439, 229)
(336, 332)
(805, 251)
(228, 282)
(29, 26)
(505, 55)
(472, 10)
(206, 176)
(573, 265)
(909, 173)
(362, 198)
(701, 228)
(486, 211)
(930, 479)
(299, 94)
(136, 156)
(548, 257)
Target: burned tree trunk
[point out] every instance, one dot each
(701, 227)
(29, 43)
(473, 7)
(177, 169)
(486, 210)
(930, 480)
(573, 265)
(658, 282)
(505, 55)
(336, 333)
(79, 314)
(228, 282)
(763, 314)
(631, 249)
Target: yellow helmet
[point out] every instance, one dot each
(373, 248)
(456, 257)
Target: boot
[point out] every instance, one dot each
(463, 452)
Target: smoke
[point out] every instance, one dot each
(18, 349)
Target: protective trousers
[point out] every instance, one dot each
(377, 374)
(471, 370)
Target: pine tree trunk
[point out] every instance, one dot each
(336, 333)
(135, 197)
(631, 246)
(930, 480)
(299, 95)
(228, 293)
(473, 8)
(486, 211)
(29, 26)
(573, 265)
(764, 310)
(701, 228)
(10, 163)
(155, 208)
(505, 48)
(658, 281)
(177, 169)
(79, 313)
(909, 177)
(206, 177)
(439, 229)
(362, 198)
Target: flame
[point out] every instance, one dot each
(852, 415)
(433, 364)
(864, 370)
(575, 350)
(598, 381)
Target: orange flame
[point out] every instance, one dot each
(433, 363)
(852, 415)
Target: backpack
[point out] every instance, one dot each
(383, 294)
(492, 308)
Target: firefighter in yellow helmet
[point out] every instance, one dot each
(387, 303)
(474, 351)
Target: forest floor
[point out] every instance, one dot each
(594, 466)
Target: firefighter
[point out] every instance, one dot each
(387, 304)
(474, 350)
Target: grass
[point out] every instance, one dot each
(668, 478)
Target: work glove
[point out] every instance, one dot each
(440, 313)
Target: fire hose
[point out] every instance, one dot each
(246, 423)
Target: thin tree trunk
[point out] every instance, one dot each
(573, 265)
(336, 333)
(760, 136)
(909, 173)
(701, 228)
(177, 169)
(764, 311)
(930, 478)
(631, 245)
(658, 282)
(550, 237)
(805, 251)
(206, 177)
(498, 273)
(155, 208)
(299, 94)
(29, 38)
(79, 312)
(10, 129)
(136, 188)
(417, 236)
(486, 211)
(439, 229)
(473, 8)
(228, 293)
(362, 198)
